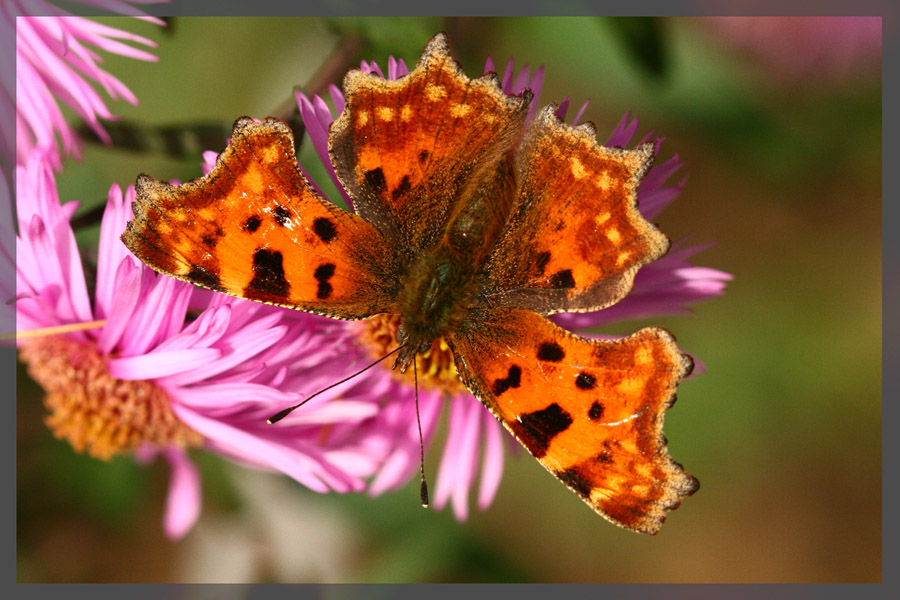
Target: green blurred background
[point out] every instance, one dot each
(783, 429)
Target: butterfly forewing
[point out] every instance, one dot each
(575, 239)
(591, 411)
(406, 149)
(254, 228)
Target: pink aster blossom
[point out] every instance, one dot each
(475, 446)
(57, 63)
(167, 367)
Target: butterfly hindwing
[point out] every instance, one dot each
(575, 239)
(591, 411)
(254, 228)
(406, 149)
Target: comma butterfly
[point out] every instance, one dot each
(472, 224)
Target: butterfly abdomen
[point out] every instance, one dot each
(436, 297)
(444, 283)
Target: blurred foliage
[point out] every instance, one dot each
(783, 429)
(643, 38)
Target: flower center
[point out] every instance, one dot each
(94, 411)
(435, 366)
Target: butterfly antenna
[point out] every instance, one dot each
(282, 414)
(423, 490)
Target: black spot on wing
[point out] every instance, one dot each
(211, 239)
(595, 411)
(585, 381)
(252, 224)
(513, 380)
(551, 352)
(541, 262)
(281, 214)
(562, 279)
(325, 229)
(269, 283)
(322, 274)
(375, 180)
(587, 475)
(575, 480)
(205, 277)
(402, 189)
(423, 156)
(537, 429)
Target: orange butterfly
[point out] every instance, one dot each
(472, 225)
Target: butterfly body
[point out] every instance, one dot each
(446, 282)
(435, 300)
(472, 223)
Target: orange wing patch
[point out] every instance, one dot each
(576, 239)
(405, 149)
(590, 411)
(254, 228)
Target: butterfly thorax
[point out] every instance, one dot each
(443, 283)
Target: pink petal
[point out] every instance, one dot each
(206, 330)
(623, 132)
(467, 458)
(403, 460)
(562, 108)
(124, 299)
(160, 364)
(506, 83)
(448, 471)
(144, 329)
(233, 396)
(521, 80)
(337, 98)
(492, 465)
(183, 502)
(301, 466)
(580, 113)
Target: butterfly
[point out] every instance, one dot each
(473, 223)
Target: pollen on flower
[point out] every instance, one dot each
(436, 368)
(95, 412)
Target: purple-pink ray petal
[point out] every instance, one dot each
(580, 113)
(161, 364)
(317, 119)
(231, 396)
(124, 297)
(337, 98)
(492, 461)
(143, 331)
(184, 498)
(303, 463)
(467, 460)
(623, 132)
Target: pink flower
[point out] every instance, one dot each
(56, 62)
(162, 367)
(475, 440)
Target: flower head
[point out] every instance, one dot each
(56, 63)
(475, 441)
